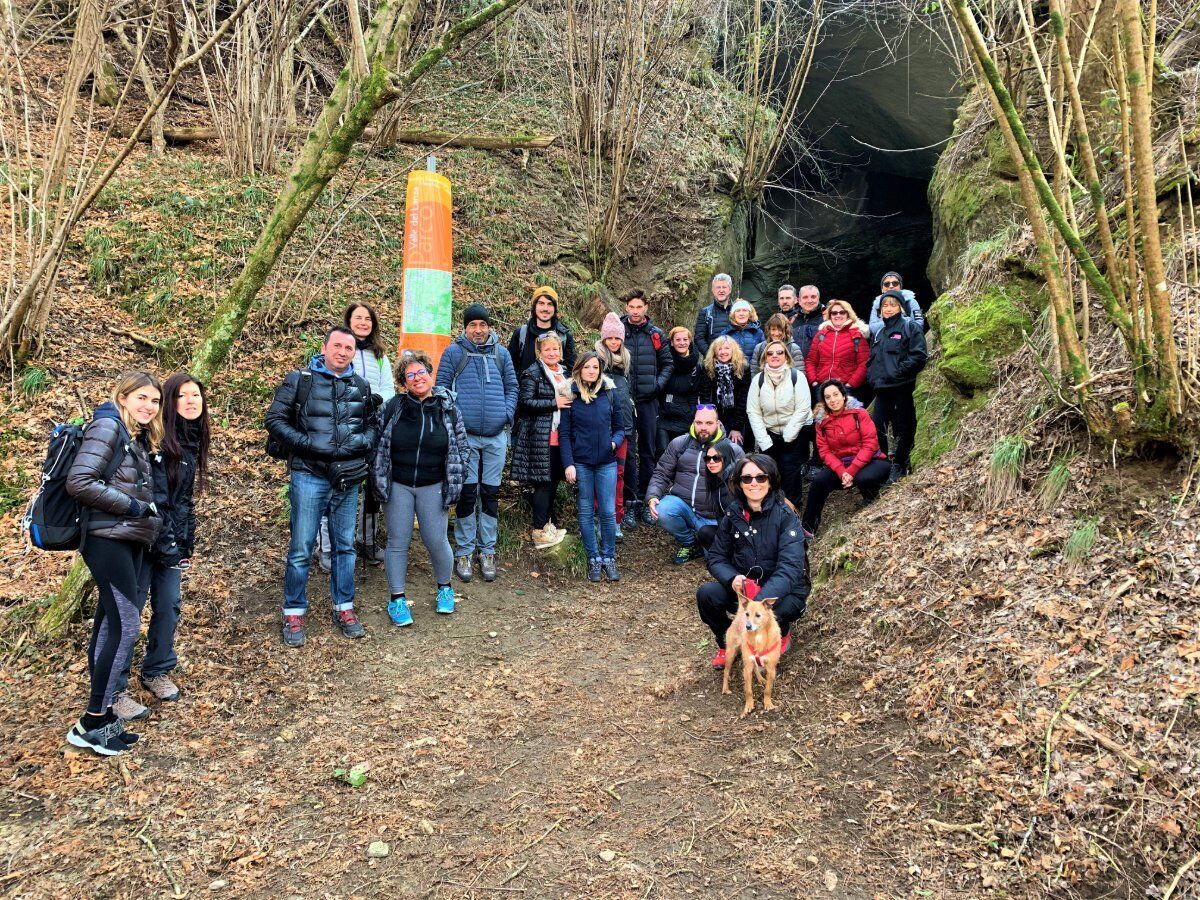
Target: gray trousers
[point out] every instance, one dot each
(432, 519)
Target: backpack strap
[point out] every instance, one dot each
(302, 391)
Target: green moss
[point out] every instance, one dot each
(975, 333)
(940, 413)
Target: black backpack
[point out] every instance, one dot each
(54, 520)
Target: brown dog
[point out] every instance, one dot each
(755, 634)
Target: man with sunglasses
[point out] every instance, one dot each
(679, 497)
(892, 281)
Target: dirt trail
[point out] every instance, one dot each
(497, 766)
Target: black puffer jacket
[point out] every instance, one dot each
(166, 549)
(650, 363)
(770, 542)
(337, 422)
(121, 509)
(679, 396)
(531, 434)
(898, 353)
(805, 327)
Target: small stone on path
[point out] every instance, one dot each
(608, 855)
(378, 850)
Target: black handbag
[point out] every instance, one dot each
(347, 473)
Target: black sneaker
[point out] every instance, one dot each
(347, 621)
(594, 570)
(105, 739)
(609, 567)
(293, 631)
(630, 520)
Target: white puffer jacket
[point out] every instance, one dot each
(377, 372)
(783, 410)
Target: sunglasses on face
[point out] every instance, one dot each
(836, 313)
(414, 374)
(713, 459)
(891, 284)
(760, 478)
(774, 353)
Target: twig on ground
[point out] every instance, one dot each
(176, 891)
(515, 873)
(1108, 744)
(1058, 713)
(135, 336)
(1179, 873)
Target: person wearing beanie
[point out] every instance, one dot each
(650, 369)
(543, 317)
(898, 354)
(480, 372)
(615, 359)
(893, 283)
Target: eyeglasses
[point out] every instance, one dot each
(891, 284)
(717, 458)
(700, 406)
(836, 313)
(414, 374)
(760, 478)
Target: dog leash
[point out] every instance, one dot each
(759, 657)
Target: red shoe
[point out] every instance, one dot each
(718, 662)
(787, 642)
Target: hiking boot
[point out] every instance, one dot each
(293, 631)
(718, 662)
(445, 600)
(647, 516)
(462, 568)
(487, 566)
(544, 539)
(347, 621)
(620, 533)
(127, 708)
(787, 642)
(162, 687)
(594, 570)
(629, 521)
(686, 555)
(609, 567)
(105, 739)
(399, 612)
(895, 475)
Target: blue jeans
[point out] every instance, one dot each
(475, 522)
(311, 495)
(598, 485)
(680, 521)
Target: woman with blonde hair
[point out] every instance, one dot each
(590, 434)
(840, 349)
(778, 328)
(112, 481)
(723, 382)
(744, 327)
(545, 392)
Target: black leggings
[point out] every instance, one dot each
(869, 480)
(117, 566)
(895, 405)
(541, 500)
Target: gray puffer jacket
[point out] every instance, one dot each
(121, 509)
(681, 472)
(456, 452)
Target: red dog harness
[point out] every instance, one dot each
(759, 657)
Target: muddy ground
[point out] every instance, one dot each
(583, 750)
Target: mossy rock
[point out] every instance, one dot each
(940, 413)
(975, 333)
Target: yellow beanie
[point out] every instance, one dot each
(546, 291)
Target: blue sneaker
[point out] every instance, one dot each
(399, 614)
(445, 600)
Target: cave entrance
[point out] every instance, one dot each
(854, 204)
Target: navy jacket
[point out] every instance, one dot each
(711, 321)
(747, 337)
(587, 432)
(770, 542)
(898, 353)
(650, 359)
(485, 388)
(805, 327)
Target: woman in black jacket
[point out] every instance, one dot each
(724, 381)
(536, 460)
(679, 396)
(759, 538)
(179, 470)
(719, 459)
(124, 523)
(898, 355)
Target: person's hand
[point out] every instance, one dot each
(614, 446)
(847, 480)
(739, 584)
(569, 473)
(563, 402)
(736, 437)
(653, 504)
(185, 564)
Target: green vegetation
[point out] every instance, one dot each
(1006, 469)
(977, 330)
(1079, 545)
(1054, 485)
(941, 409)
(34, 380)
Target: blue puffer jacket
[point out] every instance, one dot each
(484, 383)
(747, 337)
(588, 431)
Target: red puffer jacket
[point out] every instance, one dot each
(847, 441)
(840, 354)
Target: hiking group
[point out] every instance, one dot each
(711, 433)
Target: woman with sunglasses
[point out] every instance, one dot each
(719, 458)
(893, 282)
(840, 349)
(778, 328)
(723, 382)
(544, 394)
(779, 407)
(849, 448)
(759, 544)
(418, 470)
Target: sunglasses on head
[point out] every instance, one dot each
(700, 406)
(760, 478)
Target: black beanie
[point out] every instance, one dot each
(895, 295)
(474, 313)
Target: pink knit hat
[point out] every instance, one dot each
(612, 327)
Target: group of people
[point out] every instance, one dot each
(710, 433)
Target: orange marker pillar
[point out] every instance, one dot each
(425, 321)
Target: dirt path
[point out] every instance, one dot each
(505, 765)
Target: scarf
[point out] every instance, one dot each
(559, 379)
(364, 343)
(724, 385)
(775, 376)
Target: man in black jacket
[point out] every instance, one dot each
(543, 317)
(650, 368)
(324, 416)
(712, 320)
